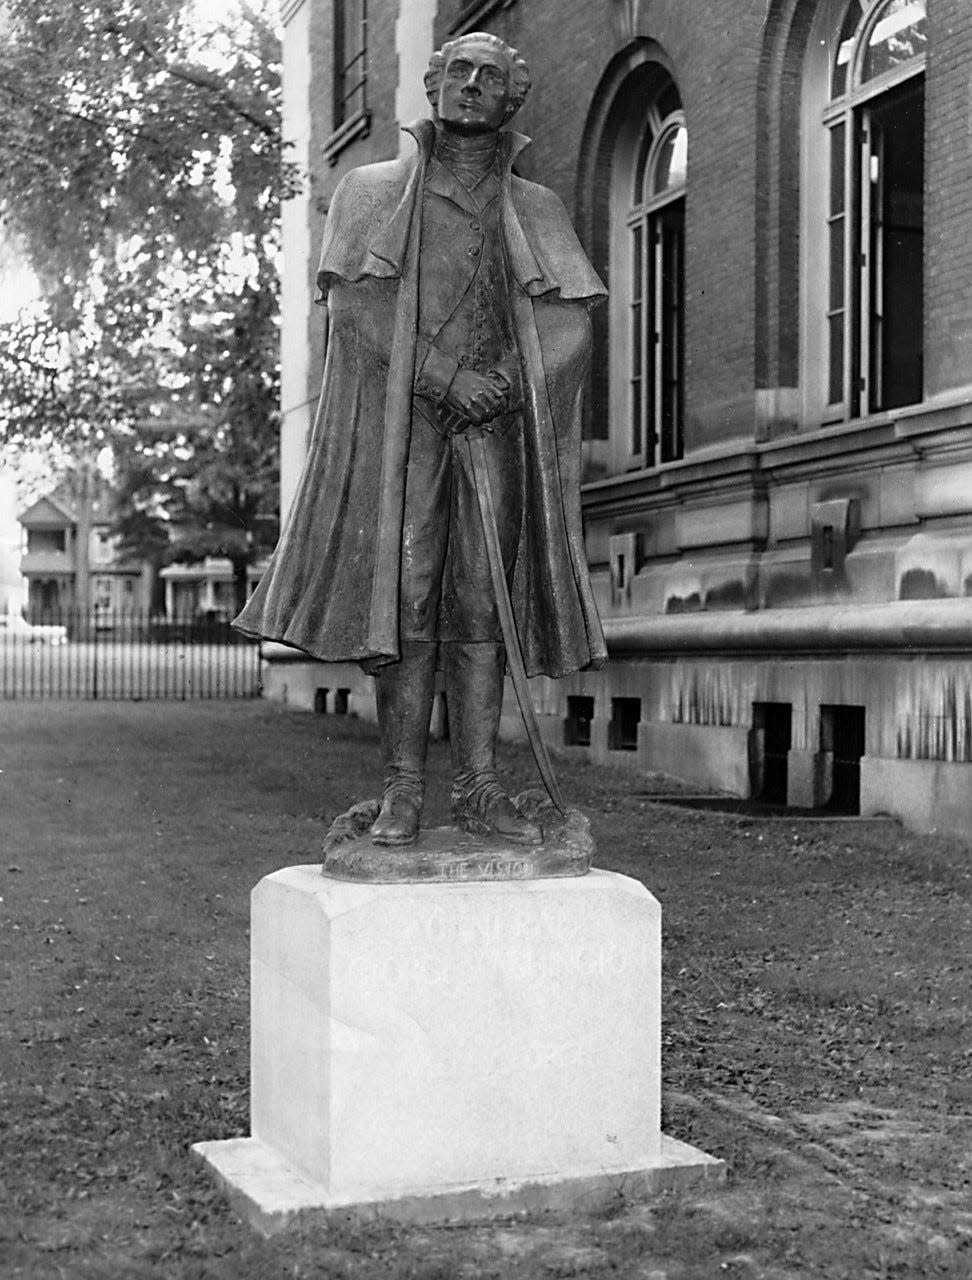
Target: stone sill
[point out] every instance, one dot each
(897, 435)
(358, 126)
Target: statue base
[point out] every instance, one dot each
(437, 1051)
(446, 854)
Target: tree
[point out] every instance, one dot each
(213, 479)
(140, 166)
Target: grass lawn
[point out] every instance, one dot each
(818, 984)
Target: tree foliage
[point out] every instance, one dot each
(140, 168)
(115, 126)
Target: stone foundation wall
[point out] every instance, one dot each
(695, 720)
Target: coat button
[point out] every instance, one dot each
(473, 251)
(475, 226)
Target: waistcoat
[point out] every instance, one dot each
(464, 299)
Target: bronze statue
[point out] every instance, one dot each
(458, 345)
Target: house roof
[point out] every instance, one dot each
(58, 509)
(47, 513)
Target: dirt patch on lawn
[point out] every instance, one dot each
(817, 1000)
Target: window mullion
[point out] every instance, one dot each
(657, 338)
(838, 268)
(877, 206)
(864, 236)
(851, 267)
(636, 355)
(648, 458)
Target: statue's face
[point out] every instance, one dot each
(474, 96)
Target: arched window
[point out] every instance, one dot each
(656, 286)
(631, 214)
(873, 118)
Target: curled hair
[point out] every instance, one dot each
(519, 71)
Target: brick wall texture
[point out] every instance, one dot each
(737, 67)
(948, 196)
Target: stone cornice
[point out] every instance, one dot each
(905, 626)
(938, 426)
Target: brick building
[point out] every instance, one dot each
(778, 455)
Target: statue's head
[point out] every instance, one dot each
(476, 83)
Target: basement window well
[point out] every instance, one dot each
(770, 742)
(577, 722)
(841, 747)
(623, 729)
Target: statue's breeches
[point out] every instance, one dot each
(446, 593)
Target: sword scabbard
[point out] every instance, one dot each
(504, 607)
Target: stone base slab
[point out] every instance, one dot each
(451, 1050)
(271, 1195)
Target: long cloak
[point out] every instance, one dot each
(332, 586)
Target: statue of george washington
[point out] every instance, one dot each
(458, 298)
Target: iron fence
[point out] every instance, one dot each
(125, 656)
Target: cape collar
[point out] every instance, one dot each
(509, 145)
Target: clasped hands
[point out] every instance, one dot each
(480, 397)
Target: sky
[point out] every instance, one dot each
(17, 288)
(18, 284)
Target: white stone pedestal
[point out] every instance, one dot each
(452, 1050)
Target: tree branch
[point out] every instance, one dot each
(203, 79)
(52, 108)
